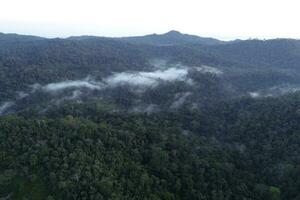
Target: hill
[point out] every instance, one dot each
(170, 38)
(158, 117)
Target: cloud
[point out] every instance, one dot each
(5, 106)
(180, 99)
(71, 90)
(275, 91)
(208, 69)
(75, 95)
(139, 79)
(254, 94)
(21, 95)
(147, 78)
(52, 87)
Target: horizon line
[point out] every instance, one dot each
(224, 38)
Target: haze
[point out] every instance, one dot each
(225, 20)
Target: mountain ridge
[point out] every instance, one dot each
(173, 37)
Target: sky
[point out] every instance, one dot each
(222, 19)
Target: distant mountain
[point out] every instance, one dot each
(171, 38)
(11, 38)
(279, 53)
(212, 68)
(171, 116)
(42, 60)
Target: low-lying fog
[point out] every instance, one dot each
(162, 72)
(275, 91)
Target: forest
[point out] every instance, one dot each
(159, 117)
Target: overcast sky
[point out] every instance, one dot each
(223, 19)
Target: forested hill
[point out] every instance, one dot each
(33, 69)
(281, 53)
(246, 149)
(171, 38)
(158, 117)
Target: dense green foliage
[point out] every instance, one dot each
(198, 137)
(25, 61)
(245, 150)
(281, 53)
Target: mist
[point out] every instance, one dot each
(86, 83)
(147, 78)
(275, 91)
(137, 79)
(180, 99)
(208, 69)
(56, 93)
(5, 106)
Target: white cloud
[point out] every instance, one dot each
(147, 78)
(138, 79)
(180, 99)
(254, 94)
(208, 69)
(275, 91)
(52, 87)
(5, 106)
